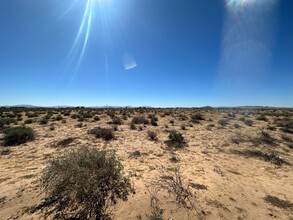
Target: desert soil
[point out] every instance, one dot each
(226, 184)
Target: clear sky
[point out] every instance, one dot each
(146, 52)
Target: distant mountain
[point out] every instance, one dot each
(20, 106)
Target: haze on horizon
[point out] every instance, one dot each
(146, 53)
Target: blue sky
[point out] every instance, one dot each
(146, 52)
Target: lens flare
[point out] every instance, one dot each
(128, 61)
(82, 37)
(237, 3)
(248, 37)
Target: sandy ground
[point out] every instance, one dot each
(233, 186)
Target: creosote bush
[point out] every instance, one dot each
(82, 184)
(18, 135)
(6, 121)
(175, 139)
(105, 133)
(196, 118)
(139, 120)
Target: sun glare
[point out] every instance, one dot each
(240, 2)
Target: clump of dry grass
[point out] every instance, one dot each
(175, 186)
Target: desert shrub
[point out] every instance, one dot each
(44, 121)
(223, 122)
(271, 128)
(18, 135)
(10, 115)
(182, 117)
(117, 121)
(115, 127)
(280, 203)
(152, 135)
(59, 118)
(183, 127)
(286, 126)
(157, 212)
(80, 119)
(5, 152)
(28, 121)
(132, 126)
(79, 125)
(6, 121)
(172, 122)
(249, 122)
(265, 137)
(139, 120)
(231, 115)
(66, 113)
(154, 122)
(74, 116)
(153, 119)
(97, 118)
(175, 139)
(269, 157)
(196, 118)
(104, 133)
(65, 142)
(174, 158)
(174, 184)
(287, 138)
(261, 118)
(32, 114)
(236, 125)
(83, 183)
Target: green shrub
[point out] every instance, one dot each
(6, 121)
(86, 178)
(104, 133)
(176, 139)
(18, 135)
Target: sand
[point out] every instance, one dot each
(229, 185)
